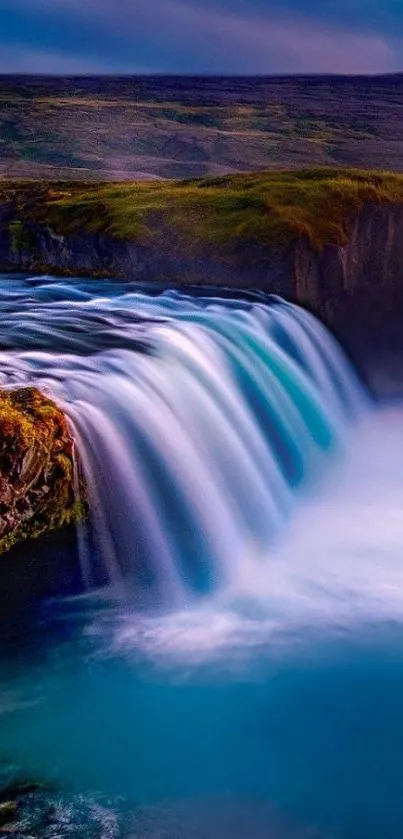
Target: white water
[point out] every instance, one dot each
(229, 449)
(336, 572)
(195, 430)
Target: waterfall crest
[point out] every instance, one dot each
(196, 418)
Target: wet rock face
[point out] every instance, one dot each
(37, 492)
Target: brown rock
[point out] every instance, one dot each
(37, 491)
(8, 812)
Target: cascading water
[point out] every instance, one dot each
(209, 429)
(196, 419)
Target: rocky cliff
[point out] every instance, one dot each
(331, 240)
(355, 287)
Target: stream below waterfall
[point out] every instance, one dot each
(232, 665)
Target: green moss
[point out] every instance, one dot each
(16, 231)
(232, 211)
(21, 237)
(37, 486)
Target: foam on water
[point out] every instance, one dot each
(338, 568)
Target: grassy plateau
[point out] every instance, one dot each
(229, 211)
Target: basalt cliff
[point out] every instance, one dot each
(341, 257)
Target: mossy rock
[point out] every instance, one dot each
(8, 812)
(37, 483)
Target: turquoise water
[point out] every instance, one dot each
(256, 690)
(314, 731)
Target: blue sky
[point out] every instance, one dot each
(201, 36)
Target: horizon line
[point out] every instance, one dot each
(195, 75)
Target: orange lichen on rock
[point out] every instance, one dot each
(37, 484)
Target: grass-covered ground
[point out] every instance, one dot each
(229, 211)
(177, 127)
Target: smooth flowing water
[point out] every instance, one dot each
(234, 663)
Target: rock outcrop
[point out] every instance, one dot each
(37, 484)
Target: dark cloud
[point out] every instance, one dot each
(201, 36)
(381, 16)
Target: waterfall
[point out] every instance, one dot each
(197, 419)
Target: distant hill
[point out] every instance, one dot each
(114, 128)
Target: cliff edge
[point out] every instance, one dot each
(331, 240)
